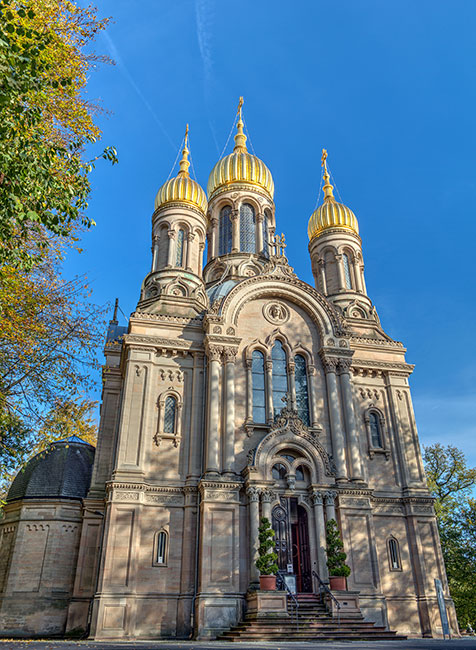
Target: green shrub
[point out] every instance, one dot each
(266, 563)
(335, 551)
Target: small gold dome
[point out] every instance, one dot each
(182, 188)
(331, 214)
(240, 167)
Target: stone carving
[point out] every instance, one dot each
(217, 329)
(229, 354)
(252, 493)
(317, 497)
(164, 499)
(170, 375)
(276, 312)
(267, 495)
(214, 352)
(330, 497)
(231, 331)
(220, 495)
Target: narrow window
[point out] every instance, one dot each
(302, 399)
(161, 551)
(280, 377)
(169, 414)
(265, 227)
(301, 473)
(375, 430)
(180, 244)
(257, 379)
(348, 281)
(394, 554)
(247, 229)
(224, 235)
(279, 472)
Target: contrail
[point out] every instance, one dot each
(122, 66)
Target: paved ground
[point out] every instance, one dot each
(413, 644)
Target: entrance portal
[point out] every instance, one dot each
(290, 523)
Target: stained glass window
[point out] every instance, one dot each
(169, 414)
(266, 234)
(348, 281)
(257, 380)
(279, 471)
(375, 433)
(302, 398)
(247, 229)
(280, 377)
(179, 250)
(161, 547)
(225, 231)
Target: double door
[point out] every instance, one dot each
(290, 524)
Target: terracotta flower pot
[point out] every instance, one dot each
(267, 583)
(339, 583)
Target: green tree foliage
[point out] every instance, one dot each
(335, 551)
(451, 482)
(266, 562)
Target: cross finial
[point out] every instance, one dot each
(323, 160)
(240, 104)
(186, 136)
(288, 400)
(328, 195)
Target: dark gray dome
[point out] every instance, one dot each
(63, 470)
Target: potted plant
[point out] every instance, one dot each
(338, 569)
(266, 563)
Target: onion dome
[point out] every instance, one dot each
(182, 188)
(240, 167)
(330, 214)
(62, 471)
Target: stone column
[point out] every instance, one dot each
(196, 437)
(214, 238)
(337, 431)
(188, 256)
(340, 271)
(320, 527)
(201, 247)
(292, 383)
(259, 234)
(229, 442)
(322, 275)
(362, 278)
(357, 275)
(253, 499)
(235, 230)
(171, 254)
(330, 497)
(311, 375)
(155, 252)
(213, 440)
(249, 391)
(269, 391)
(351, 426)
(266, 499)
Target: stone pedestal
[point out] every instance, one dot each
(265, 604)
(348, 601)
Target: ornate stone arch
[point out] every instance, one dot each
(301, 349)
(160, 434)
(278, 335)
(384, 449)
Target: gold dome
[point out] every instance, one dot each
(182, 188)
(240, 167)
(331, 214)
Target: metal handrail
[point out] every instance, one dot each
(282, 582)
(324, 587)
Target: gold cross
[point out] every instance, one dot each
(240, 104)
(186, 135)
(323, 159)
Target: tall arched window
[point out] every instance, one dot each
(257, 378)
(225, 232)
(375, 430)
(160, 549)
(348, 281)
(169, 414)
(394, 555)
(280, 377)
(247, 229)
(179, 249)
(302, 399)
(265, 226)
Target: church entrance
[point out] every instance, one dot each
(290, 523)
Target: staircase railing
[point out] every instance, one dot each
(281, 584)
(324, 588)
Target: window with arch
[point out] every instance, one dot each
(247, 229)
(225, 231)
(375, 424)
(170, 411)
(375, 430)
(265, 226)
(394, 554)
(302, 473)
(347, 277)
(257, 378)
(279, 472)
(180, 247)
(280, 377)
(161, 548)
(302, 398)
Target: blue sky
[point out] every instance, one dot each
(388, 87)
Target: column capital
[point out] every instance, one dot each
(155, 239)
(311, 370)
(234, 214)
(248, 364)
(214, 352)
(260, 217)
(338, 256)
(229, 354)
(267, 495)
(343, 365)
(190, 236)
(330, 363)
(269, 364)
(252, 493)
(214, 222)
(330, 497)
(317, 497)
(291, 366)
(321, 261)
(171, 233)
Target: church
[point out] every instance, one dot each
(237, 391)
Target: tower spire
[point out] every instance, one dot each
(328, 194)
(240, 137)
(184, 162)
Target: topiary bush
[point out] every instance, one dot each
(266, 563)
(335, 551)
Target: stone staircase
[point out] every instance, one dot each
(315, 623)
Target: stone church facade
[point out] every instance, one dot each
(239, 391)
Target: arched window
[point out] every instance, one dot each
(302, 399)
(265, 226)
(348, 281)
(224, 235)
(279, 472)
(394, 555)
(375, 430)
(160, 548)
(280, 377)
(302, 473)
(257, 378)
(179, 249)
(169, 414)
(247, 229)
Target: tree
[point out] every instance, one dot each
(451, 481)
(45, 124)
(336, 556)
(266, 562)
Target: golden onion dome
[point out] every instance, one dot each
(240, 167)
(330, 214)
(182, 188)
